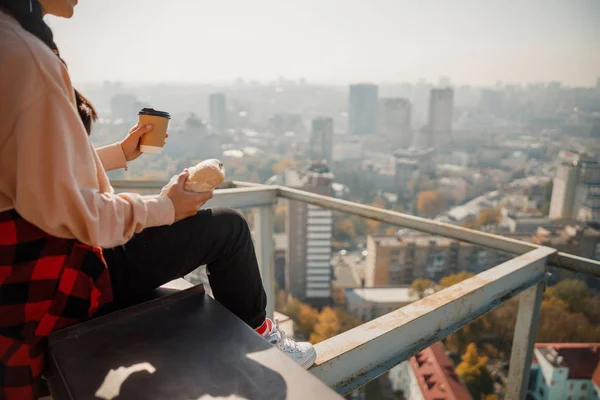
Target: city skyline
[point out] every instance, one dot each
(389, 41)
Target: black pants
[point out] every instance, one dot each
(218, 237)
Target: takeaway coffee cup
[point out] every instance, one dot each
(153, 141)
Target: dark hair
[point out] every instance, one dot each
(29, 14)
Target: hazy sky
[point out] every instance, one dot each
(473, 42)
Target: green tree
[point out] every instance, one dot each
(420, 287)
(573, 292)
(592, 309)
(558, 324)
(474, 373)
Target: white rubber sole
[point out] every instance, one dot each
(306, 364)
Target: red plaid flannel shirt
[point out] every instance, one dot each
(46, 283)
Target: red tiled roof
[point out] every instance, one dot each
(436, 377)
(582, 359)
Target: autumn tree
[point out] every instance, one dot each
(328, 326)
(307, 319)
(304, 316)
(282, 165)
(421, 287)
(474, 373)
(344, 229)
(347, 320)
(489, 217)
(430, 203)
(332, 322)
(490, 397)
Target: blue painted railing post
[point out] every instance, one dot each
(530, 303)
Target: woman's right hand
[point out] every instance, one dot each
(186, 203)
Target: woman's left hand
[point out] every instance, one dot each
(131, 143)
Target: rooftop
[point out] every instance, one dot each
(582, 359)
(381, 295)
(345, 276)
(436, 376)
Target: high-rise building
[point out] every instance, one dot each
(321, 139)
(576, 189)
(394, 121)
(562, 371)
(441, 109)
(401, 259)
(492, 101)
(217, 106)
(362, 109)
(309, 229)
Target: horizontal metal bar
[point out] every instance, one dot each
(359, 355)
(243, 197)
(246, 197)
(409, 221)
(576, 264)
(561, 260)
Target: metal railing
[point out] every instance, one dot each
(353, 358)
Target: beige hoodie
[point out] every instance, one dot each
(49, 171)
